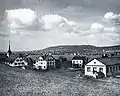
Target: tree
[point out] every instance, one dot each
(62, 59)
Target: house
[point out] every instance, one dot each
(45, 62)
(41, 63)
(51, 61)
(78, 61)
(107, 66)
(19, 62)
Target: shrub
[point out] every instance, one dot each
(88, 77)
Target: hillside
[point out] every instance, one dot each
(81, 49)
(18, 82)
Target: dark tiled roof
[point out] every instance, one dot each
(109, 60)
(12, 58)
(33, 57)
(47, 57)
(78, 58)
(68, 57)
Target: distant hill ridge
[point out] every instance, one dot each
(77, 48)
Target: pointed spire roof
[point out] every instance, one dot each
(9, 50)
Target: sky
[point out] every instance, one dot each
(37, 24)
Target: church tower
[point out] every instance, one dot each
(9, 50)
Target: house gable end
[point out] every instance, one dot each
(95, 62)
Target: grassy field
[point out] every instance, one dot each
(19, 82)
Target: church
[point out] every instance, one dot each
(15, 60)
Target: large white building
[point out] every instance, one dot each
(19, 62)
(94, 66)
(107, 66)
(41, 64)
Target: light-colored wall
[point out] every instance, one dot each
(42, 64)
(17, 62)
(77, 61)
(97, 64)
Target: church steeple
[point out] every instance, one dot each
(9, 50)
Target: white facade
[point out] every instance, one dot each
(79, 62)
(95, 65)
(19, 62)
(41, 64)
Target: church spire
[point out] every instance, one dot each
(9, 50)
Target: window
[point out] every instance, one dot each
(116, 68)
(80, 65)
(88, 69)
(21, 60)
(94, 69)
(19, 63)
(22, 63)
(94, 62)
(17, 60)
(73, 62)
(41, 62)
(101, 69)
(80, 61)
(15, 63)
(113, 68)
(110, 69)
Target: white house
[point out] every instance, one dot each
(19, 62)
(41, 64)
(78, 61)
(109, 66)
(93, 67)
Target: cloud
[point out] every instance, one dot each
(20, 18)
(55, 22)
(56, 29)
(113, 29)
(52, 21)
(30, 20)
(112, 18)
(97, 26)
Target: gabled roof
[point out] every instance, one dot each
(68, 57)
(12, 58)
(46, 57)
(108, 60)
(78, 58)
(33, 57)
(95, 62)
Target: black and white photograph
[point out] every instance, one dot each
(59, 47)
